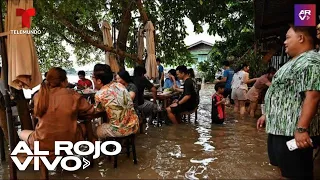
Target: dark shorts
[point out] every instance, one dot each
(181, 108)
(217, 121)
(226, 93)
(297, 164)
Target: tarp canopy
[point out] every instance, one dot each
(151, 64)
(110, 58)
(23, 66)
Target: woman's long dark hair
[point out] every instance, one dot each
(173, 73)
(242, 65)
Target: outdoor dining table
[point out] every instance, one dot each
(164, 97)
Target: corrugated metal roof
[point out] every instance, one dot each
(273, 16)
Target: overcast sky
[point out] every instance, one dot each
(193, 37)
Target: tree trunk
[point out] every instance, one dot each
(143, 14)
(124, 29)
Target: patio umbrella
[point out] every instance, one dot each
(107, 40)
(151, 64)
(23, 66)
(140, 43)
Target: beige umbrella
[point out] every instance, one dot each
(107, 40)
(23, 63)
(151, 64)
(140, 43)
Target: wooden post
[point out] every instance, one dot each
(23, 110)
(11, 129)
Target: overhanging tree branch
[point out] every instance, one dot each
(143, 14)
(61, 35)
(90, 40)
(99, 45)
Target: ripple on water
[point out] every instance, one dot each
(205, 162)
(203, 140)
(194, 171)
(177, 152)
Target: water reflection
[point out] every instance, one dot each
(234, 150)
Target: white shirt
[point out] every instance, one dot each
(237, 80)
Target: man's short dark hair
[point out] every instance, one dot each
(139, 71)
(310, 32)
(105, 77)
(82, 73)
(125, 76)
(182, 69)
(226, 63)
(219, 85)
(101, 67)
(158, 60)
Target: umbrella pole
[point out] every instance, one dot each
(13, 170)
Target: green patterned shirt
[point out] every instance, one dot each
(283, 100)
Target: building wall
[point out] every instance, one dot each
(200, 47)
(200, 52)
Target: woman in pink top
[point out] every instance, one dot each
(259, 86)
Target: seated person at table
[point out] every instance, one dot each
(218, 113)
(142, 83)
(188, 100)
(83, 82)
(57, 121)
(114, 98)
(124, 78)
(171, 80)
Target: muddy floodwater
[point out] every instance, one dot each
(234, 150)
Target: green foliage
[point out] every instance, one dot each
(51, 45)
(226, 18)
(257, 68)
(235, 25)
(208, 69)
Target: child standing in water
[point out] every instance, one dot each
(218, 104)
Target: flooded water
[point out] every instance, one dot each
(234, 150)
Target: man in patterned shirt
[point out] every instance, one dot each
(291, 106)
(114, 98)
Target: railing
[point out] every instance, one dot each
(277, 61)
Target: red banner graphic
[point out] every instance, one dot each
(26, 15)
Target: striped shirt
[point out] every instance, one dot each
(284, 98)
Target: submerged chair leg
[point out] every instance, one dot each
(128, 147)
(2, 146)
(44, 173)
(134, 150)
(115, 161)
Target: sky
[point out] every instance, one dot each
(193, 37)
(190, 39)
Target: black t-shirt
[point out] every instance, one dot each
(132, 88)
(189, 89)
(142, 83)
